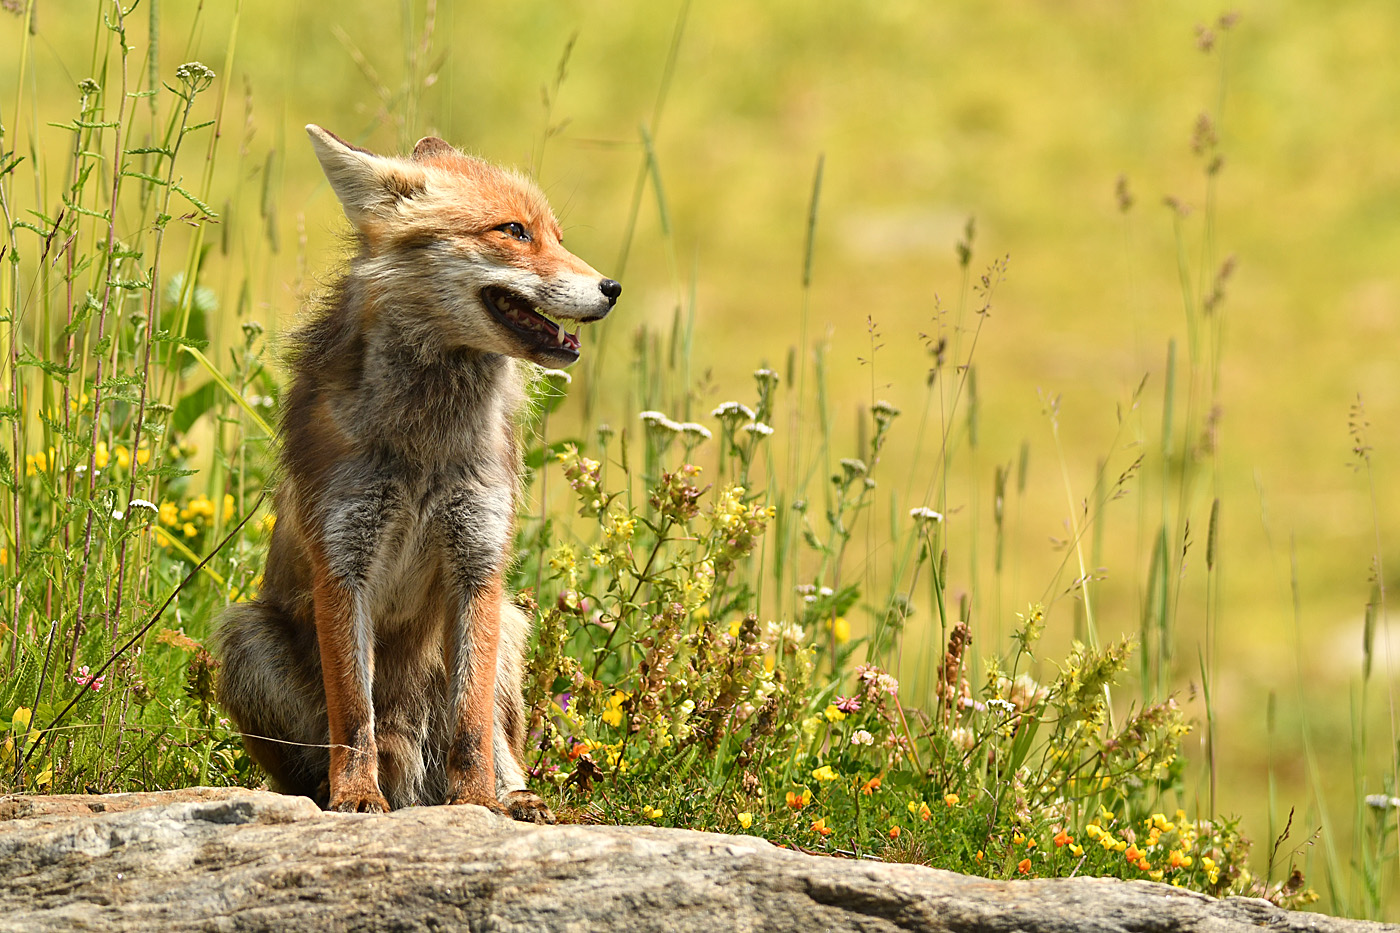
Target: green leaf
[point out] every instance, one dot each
(228, 388)
(190, 408)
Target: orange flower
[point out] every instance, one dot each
(1133, 855)
(870, 786)
(894, 832)
(1025, 866)
(798, 801)
(1063, 838)
(578, 749)
(820, 827)
(1143, 864)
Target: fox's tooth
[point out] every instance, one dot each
(502, 304)
(561, 336)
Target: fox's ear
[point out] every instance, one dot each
(430, 146)
(367, 185)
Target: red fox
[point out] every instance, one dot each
(380, 666)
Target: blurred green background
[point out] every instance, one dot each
(1022, 115)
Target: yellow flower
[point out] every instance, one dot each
(798, 801)
(950, 799)
(612, 717)
(228, 507)
(841, 630)
(820, 827)
(980, 856)
(143, 455)
(1076, 849)
(833, 714)
(746, 819)
(123, 457)
(269, 522)
(734, 628)
(824, 773)
(101, 456)
(4, 557)
(169, 514)
(652, 813)
(189, 530)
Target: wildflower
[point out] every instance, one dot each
(143, 455)
(659, 422)
(980, 856)
(923, 812)
(1093, 831)
(169, 514)
(925, 516)
(759, 428)
(884, 412)
(1076, 849)
(870, 786)
(1024, 867)
(4, 557)
(848, 704)
(862, 737)
(1108, 842)
(1063, 838)
(1133, 853)
(143, 504)
(189, 530)
(798, 801)
(1179, 859)
(613, 714)
(745, 819)
(228, 507)
(101, 456)
(824, 773)
(833, 714)
(894, 831)
(84, 679)
(1143, 864)
(1018, 838)
(652, 813)
(840, 630)
(695, 432)
(820, 827)
(851, 468)
(733, 411)
(766, 375)
(951, 799)
(123, 457)
(963, 737)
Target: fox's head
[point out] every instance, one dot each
(474, 248)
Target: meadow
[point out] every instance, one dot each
(1109, 289)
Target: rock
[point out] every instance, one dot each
(236, 860)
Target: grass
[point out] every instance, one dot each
(140, 295)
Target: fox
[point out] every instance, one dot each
(380, 665)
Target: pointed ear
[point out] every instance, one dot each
(430, 146)
(366, 184)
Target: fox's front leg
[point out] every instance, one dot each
(345, 632)
(471, 665)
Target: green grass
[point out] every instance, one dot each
(1070, 434)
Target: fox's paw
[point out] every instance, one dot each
(358, 801)
(527, 807)
(481, 800)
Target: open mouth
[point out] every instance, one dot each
(525, 319)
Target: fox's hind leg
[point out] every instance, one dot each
(408, 684)
(269, 682)
(508, 736)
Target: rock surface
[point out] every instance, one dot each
(237, 860)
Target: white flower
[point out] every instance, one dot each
(655, 419)
(118, 514)
(730, 409)
(759, 428)
(143, 504)
(1002, 705)
(765, 375)
(699, 430)
(884, 408)
(861, 737)
(853, 467)
(924, 514)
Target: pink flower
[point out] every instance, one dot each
(82, 677)
(848, 704)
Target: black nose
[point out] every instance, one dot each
(610, 289)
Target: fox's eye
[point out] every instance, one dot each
(516, 230)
